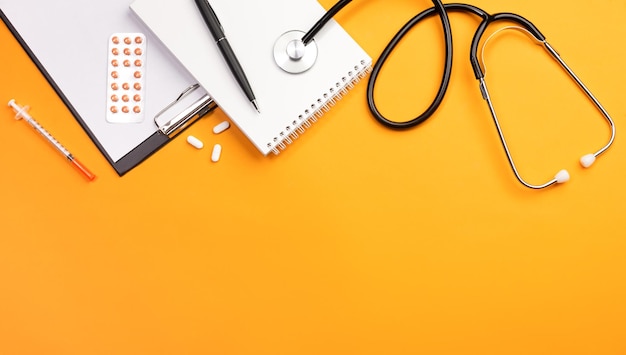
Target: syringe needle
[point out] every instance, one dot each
(22, 112)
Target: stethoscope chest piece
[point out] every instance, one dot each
(291, 55)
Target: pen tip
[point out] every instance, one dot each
(256, 106)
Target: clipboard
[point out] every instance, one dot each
(68, 42)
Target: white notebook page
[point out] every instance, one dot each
(252, 28)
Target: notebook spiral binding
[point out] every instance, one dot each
(320, 107)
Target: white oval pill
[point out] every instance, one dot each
(221, 127)
(195, 142)
(217, 152)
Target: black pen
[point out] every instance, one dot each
(222, 43)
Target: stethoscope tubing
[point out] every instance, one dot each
(439, 9)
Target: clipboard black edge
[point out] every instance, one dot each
(133, 158)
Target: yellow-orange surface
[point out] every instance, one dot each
(357, 239)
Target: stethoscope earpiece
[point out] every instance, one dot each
(587, 160)
(562, 177)
(292, 55)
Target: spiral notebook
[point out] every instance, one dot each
(289, 103)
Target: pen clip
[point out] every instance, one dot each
(190, 114)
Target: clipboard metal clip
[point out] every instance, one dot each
(190, 114)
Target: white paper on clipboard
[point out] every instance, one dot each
(69, 41)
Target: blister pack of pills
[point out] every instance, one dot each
(126, 78)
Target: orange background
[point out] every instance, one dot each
(357, 239)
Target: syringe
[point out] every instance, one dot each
(22, 112)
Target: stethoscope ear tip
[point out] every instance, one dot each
(562, 176)
(587, 160)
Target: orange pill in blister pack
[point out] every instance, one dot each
(126, 78)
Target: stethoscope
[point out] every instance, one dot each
(301, 47)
